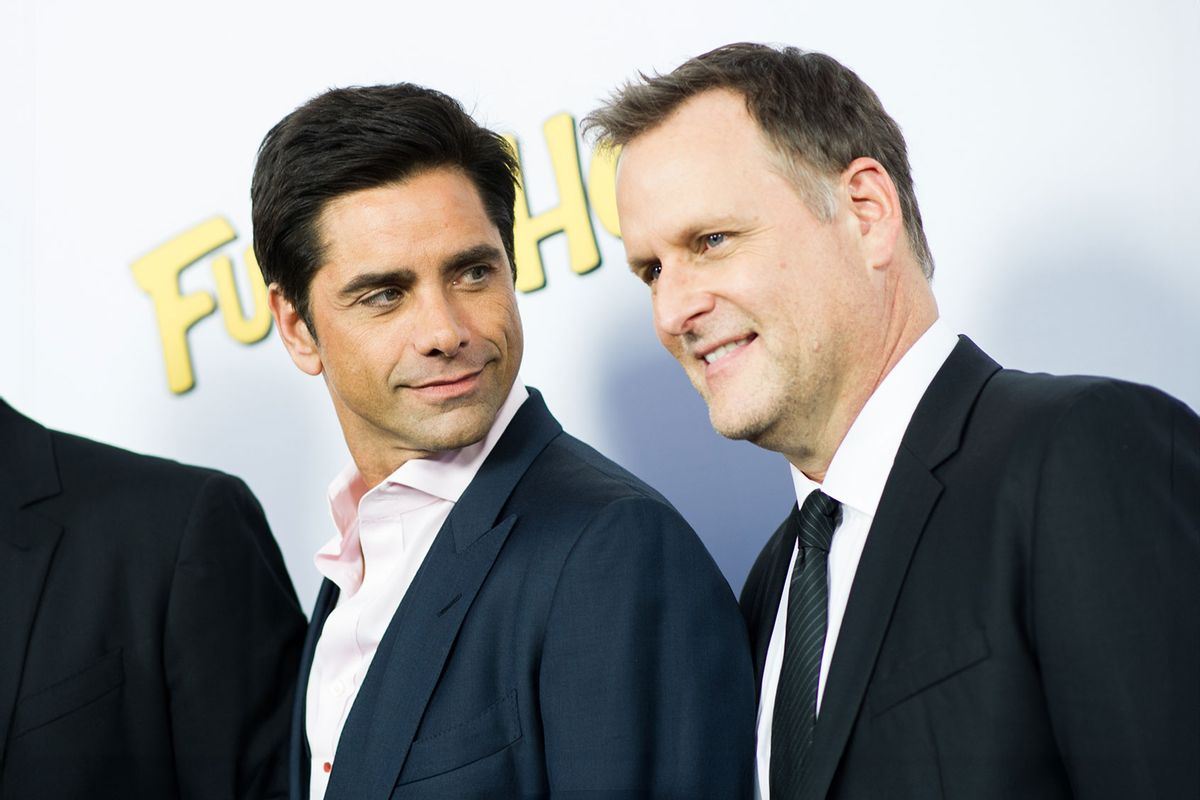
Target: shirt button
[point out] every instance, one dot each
(338, 689)
(327, 766)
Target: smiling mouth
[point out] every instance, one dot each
(458, 387)
(726, 349)
(448, 381)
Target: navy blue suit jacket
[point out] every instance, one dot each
(1025, 618)
(567, 635)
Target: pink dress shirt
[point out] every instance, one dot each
(389, 528)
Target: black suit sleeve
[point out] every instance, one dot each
(1116, 593)
(232, 643)
(646, 685)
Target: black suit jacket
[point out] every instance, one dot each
(149, 634)
(567, 634)
(1025, 619)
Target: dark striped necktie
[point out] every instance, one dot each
(804, 642)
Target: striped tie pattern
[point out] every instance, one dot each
(804, 643)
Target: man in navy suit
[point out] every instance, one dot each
(990, 584)
(506, 612)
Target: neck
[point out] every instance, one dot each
(912, 310)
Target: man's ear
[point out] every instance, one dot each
(293, 330)
(875, 205)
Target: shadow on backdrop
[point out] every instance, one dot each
(1096, 308)
(656, 425)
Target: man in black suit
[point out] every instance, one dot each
(506, 612)
(990, 585)
(149, 634)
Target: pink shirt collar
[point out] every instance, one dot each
(442, 476)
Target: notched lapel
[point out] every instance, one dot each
(761, 595)
(911, 492)
(27, 545)
(28, 474)
(299, 756)
(392, 701)
(907, 501)
(384, 719)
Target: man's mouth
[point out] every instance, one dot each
(450, 387)
(727, 348)
(451, 381)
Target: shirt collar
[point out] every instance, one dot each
(863, 461)
(445, 475)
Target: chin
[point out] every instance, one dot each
(737, 425)
(460, 432)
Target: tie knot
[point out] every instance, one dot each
(819, 516)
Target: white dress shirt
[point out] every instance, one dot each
(383, 537)
(855, 478)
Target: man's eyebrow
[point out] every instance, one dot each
(404, 278)
(485, 253)
(639, 265)
(400, 278)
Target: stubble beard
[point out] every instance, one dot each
(750, 417)
(774, 417)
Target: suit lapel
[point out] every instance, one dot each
(909, 496)
(760, 603)
(299, 757)
(402, 677)
(28, 473)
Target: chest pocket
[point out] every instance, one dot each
(69, 695)
(492, 730)
(923, 671)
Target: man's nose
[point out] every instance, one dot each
(440, 330)
(681, 298)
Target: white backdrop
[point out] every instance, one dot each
(1054, 146)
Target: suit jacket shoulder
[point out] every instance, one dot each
(152, 617)
(1024, 620)
(567, 633)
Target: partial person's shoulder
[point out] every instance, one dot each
(110, 469)
(145, 502)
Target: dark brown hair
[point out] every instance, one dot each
(352, 139)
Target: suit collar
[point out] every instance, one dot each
(909, 496)
(479, 507)
(937, 428)
(299, 756)
(763, 592)
(384, 719)
(860, 466)
(28, 473)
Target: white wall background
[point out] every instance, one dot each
(1054, 146)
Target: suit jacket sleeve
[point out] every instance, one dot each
(646, 682)
(1116, 593)
(234, 631)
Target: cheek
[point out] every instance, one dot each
(674, 346)
(497, 319)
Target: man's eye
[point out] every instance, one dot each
(383, 298)
(714, 239)
(475, 274)
(650, 274)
